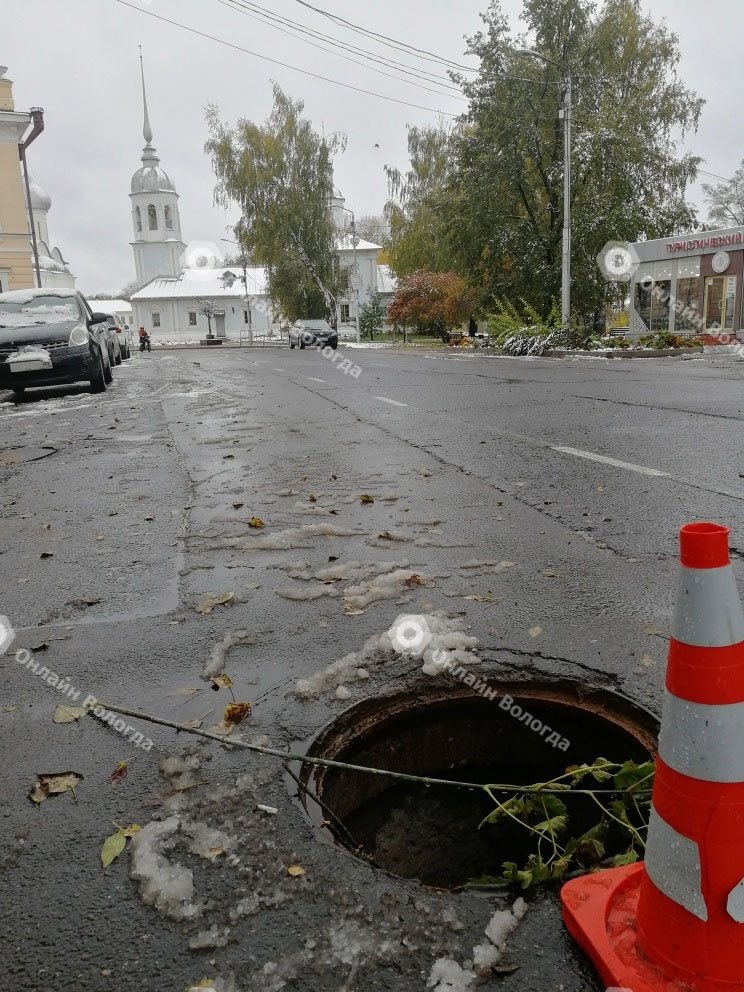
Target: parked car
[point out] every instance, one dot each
(50, 337)
(124, 335)
(308, 332)
(112, 342)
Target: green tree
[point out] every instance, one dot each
(280, 175)
(504, 207)
(726, 200)
(415, 210)
(372, 316)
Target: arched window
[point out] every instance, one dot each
(168, 219)
(152, 218)
(138, 218)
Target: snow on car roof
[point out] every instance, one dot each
(22, 296)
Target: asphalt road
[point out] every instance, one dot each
(121, 513)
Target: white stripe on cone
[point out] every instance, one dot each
(703, 741)
(708, 611)
(673, 865)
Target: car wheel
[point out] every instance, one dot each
(98, 380)
(118, 358)
(291, 344)
(107, 373)
(19, 390)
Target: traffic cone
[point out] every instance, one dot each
(676, 921)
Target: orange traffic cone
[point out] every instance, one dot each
(676, 921)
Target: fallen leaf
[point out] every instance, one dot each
(256, 523)
(205, 983)
(413, 580)
(211, 853)
(46, 554)
(654, 632)
(222, 729)
(47, 526)
(225, 457)
(600, 489)
(312, 498)
(208, 603)
(551, 573)
(7, 709)
(238, 506)
(535, 631)
(366, 498)
(222, 681)
(53, 784)
(41, 647)
(112, 847)
(119, 773)
(235, 713)
(68, 714)
(478, 598)
(193, 724)
(334, 477)
(333, 557)
(187, 691)
(385, 536)
(647, 661)
(99, 537)
(131, 831)
(295, 871)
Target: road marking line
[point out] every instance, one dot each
(313, 379)
(641, 469)
(384, 399)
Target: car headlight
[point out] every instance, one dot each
(79, 335)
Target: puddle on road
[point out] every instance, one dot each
(431, 832)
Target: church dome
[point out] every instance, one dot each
(151, 179)
(40, 199)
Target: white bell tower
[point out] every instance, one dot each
(158, 248)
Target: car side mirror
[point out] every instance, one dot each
(98, 318)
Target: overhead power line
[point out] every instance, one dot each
(289, 29)
(284, 65)
(384, 39)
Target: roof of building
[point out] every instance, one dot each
(346, 243)
(195, 283)
(110, 306)
(386, 281)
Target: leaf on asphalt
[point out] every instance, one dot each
(235, 713)
(222, 729)
(47, 526)
(68, 714)
(211, 853)
(535, 631)
(413, 580)
(222, 681)
(119, 773)
(112, 847)
(478, 598)
(551, 573)
(132, 830)
(205, 983)
(654, 631)
(366, 498)
(333, 557)
(149, 519)
(600, 489)
(46, 554)
(53, 784)
(647, 661)
(7, 709)
(187, 691)
(193, 724)
(208, 603)
(295, 871)
(256, 523)
(312, 498)
(238, 506)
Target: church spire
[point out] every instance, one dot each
(146, 129)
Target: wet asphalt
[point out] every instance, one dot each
(121, 512)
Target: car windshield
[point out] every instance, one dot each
(38, 310)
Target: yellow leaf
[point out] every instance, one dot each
(53, 785)
(222, 681)
(256, 522)
(366, 498)
(535, 631)
(68, 714)
(208, 603)
(235, 713)
(112, 847)
(132, 830)
(296, 871)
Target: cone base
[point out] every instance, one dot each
(600, 912)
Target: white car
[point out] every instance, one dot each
(126, 342)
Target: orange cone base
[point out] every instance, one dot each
(599, 911)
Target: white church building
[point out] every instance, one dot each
(185, 289)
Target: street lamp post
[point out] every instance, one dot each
(348, 210)
(566, 250)
(245, 284)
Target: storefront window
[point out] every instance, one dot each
(642, 302)
(660, 300)
(688, 305)
(730, 303)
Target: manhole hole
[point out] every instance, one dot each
(23, 453)
(431, 832)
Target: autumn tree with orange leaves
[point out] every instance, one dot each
(431, 301)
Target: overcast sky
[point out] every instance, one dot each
(79, 60)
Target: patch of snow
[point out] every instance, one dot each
(293, 537)
(164, 884)
(447, 975)
(315, 591)
(180, 770)
(395, 585)
(215, 663)
(208, 939)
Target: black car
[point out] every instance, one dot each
(312, 332)
(50, 337)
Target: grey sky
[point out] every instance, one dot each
(79, 60)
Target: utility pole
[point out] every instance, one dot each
(356, 275)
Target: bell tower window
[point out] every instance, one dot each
(138, 218)
(168, 218)
(152, 218)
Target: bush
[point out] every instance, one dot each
(664, 339)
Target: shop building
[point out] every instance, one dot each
(690, 284)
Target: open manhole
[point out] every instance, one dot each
(23, 453)
(431, 832)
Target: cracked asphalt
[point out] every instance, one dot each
(121, 513)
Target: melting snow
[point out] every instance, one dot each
(448, 975)
(164, 884)
(215, 663)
